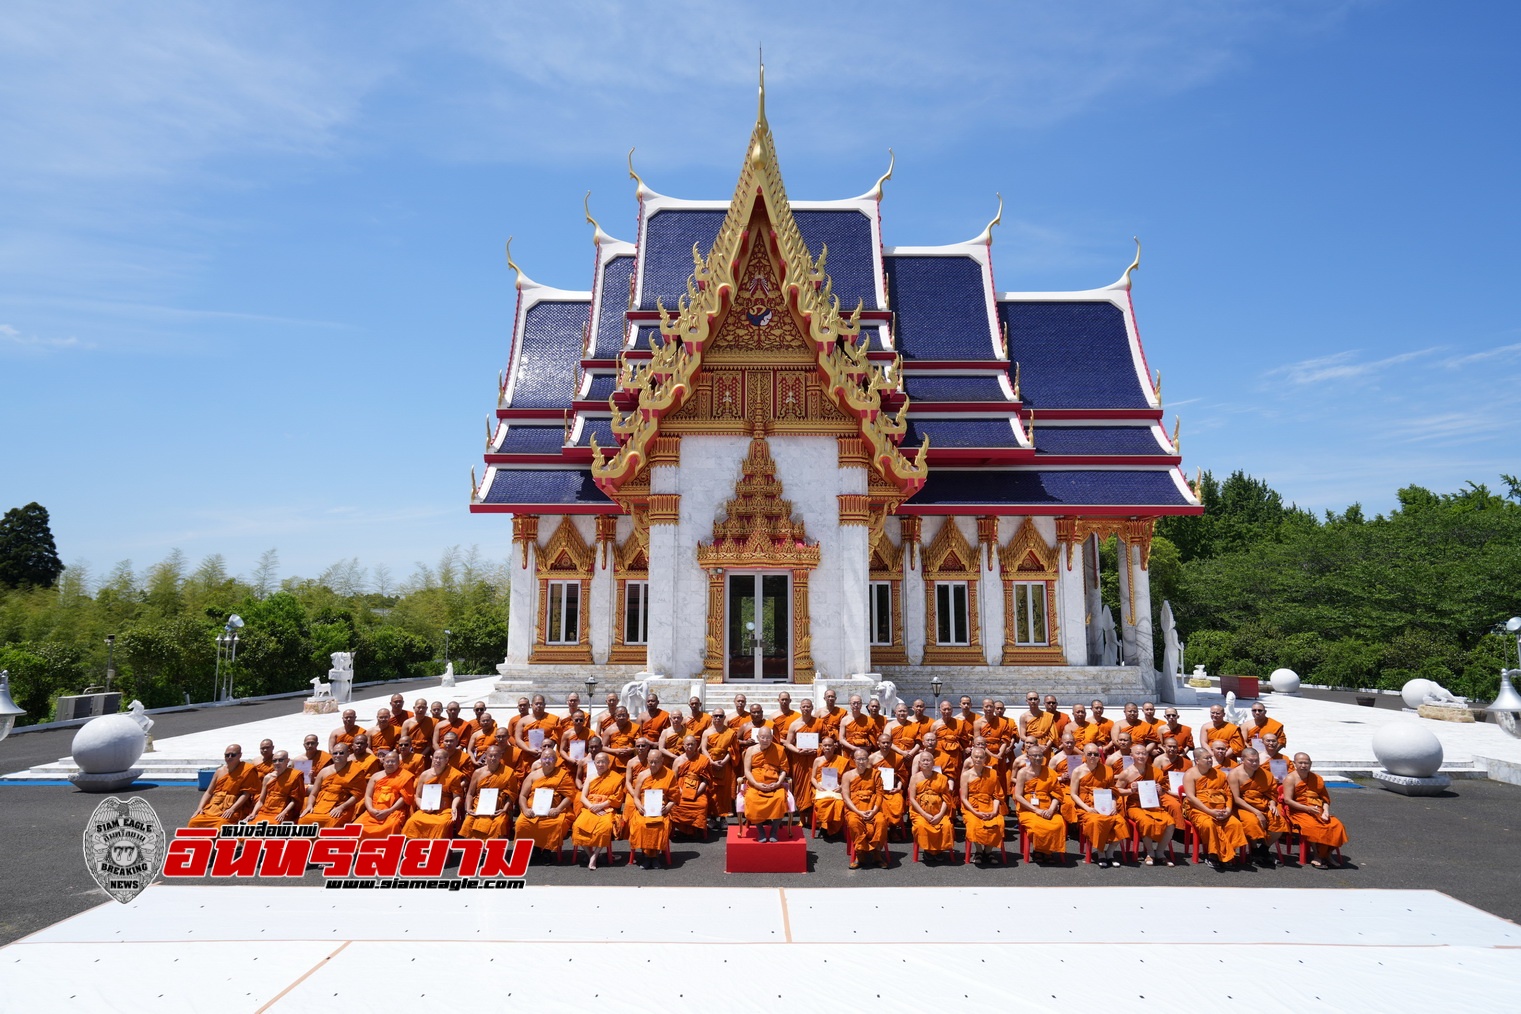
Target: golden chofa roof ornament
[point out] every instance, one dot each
(523, 282)
(1123, 282)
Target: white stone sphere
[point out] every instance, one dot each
(1284, 681)
(1415, 692)
(108, 743)
(1408, 748)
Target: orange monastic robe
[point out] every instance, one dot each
(721, 744)
(802, 764)
(1047, 835)
(831, 720)
(284, 790)
(1220, 837)
(614, 738)
(475, 825)
(1260, 792)
(829, 805)
(335, 790)
(1228, 732)
(435, 823)
(386, 791)
(1172, 802)
(1150, 823)
(225, 791)
(1184, 735)
(932, 793)
(549, 832)
(651, 832)
(383, 737)
(985, 793)
(1141, 733)
(694, 782)
(893, 803)
(766, 766)
(1041, 727)
(866, 794)
(1311, 791)
(596, 830)
(1100, 830)
(1269, 727)
(861, 733)
(651, 727)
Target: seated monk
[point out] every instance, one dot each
(1255, 791)
(281, 794)
(418, 730)
(672, 739)
(1171, 727)
(1173, 760)
(894, 774)
(483, 738)
(600, 818)
(266, 762)
(412, 762)
(316, 758)
(1304, 793)
(346, 732)
(492, 774)
(1106, 832)
(718, 748)
(1118, 754)
(649, 831)
(454, 755)
(929, 801)
(1212, 809)
(575, 739)
(1217, 728)
(387, 799)
(767, 801)
(1154, 825)
(754, 722)
(231, 794)
(983, 806)
(929, 745)
(1062, 763)
(334, 796)
(865, 821)
(1261, 727)
(1082, 730)
(694, 789)
(362, 757)
(1036, 793)
(828, 797)
(546, 825)
(800, 758)
(440, 820)
(383, 733)
(1222, 755)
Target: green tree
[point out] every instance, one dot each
(28, 555)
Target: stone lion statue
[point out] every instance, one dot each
(886, 693)
(633, 696)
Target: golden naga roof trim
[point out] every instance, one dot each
(854, 383)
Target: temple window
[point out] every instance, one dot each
(1030, 613)
(951, 626)
(881, 599)
(564, 612)
(636, 613)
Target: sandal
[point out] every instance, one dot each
(1318, 864)
(1151, 861)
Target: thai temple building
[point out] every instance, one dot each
(764, 446)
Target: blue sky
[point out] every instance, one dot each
(252, 291)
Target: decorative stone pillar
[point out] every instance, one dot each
(802, 637)
(600, 610)
(993, 609)
(1138, 540)
(1073, 610)
(665, 514)
(855, 559)
(523, 593)
(713, 659)
(913, 589)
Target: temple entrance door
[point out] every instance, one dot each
(759, 634)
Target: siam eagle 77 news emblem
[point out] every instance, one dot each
(124, 846)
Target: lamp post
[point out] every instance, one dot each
(110, 654)
(227, 649)
(935, 685)
(591, 690)
(1507, 703)
(9, 712)
(446, 648)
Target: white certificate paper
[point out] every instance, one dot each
(1148, 793)
(654, 799)
(1280, 769)
(577, 749)
(829, 778)
(807, 741)
(1259, 745)
(535, 738)
(889, 779)
(1175, 782)
(543, 802)
(485, 802)
(1103, 801)
(432, 797)
(305, 767)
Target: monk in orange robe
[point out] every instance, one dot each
(894, 774)
(802, 758)
(1305, 794)
(334, 797)
(1217, 728)
(316, 758)
(1103, 728)
(983, 806)
(418, 730)
(831, 715)
(451, 722)
(1040, 805)
(1118, 754)
(785, 716)
(766, 779)
(572, 709)
(1036, 723)
(577, 730)
(387, 800)
(1063, 762)
(1154, 824)
(266, 762)
(601, 801)
(694, 785)
(672, 740)
(1212, 809)
(362, 757)
(346, 732)
(929, 800)
(856, 729)
(1140, 730)
(607, 717)
(441, 820)
(998, 733)
(231, 794)
(953, 724)
(1171, 728)
(828, 795)
(753, 724)
(1173, 760)
(1221, 751)
(718, 747)
(524, 711)
(698, 720)
(1105, 831)
(649, 832)
(1082, 730)
(1261, 726)
(486, 735)
(383, 734)
(547, 829)
(412, 762)
(619, 739)
(906, 730)
(492, 774)
(741, 712)
(1059, 721)
(865, 821)
(654, 720)
(1256, 797)
(281, 793)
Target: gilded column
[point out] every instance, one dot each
(802, 638)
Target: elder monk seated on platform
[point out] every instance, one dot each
(766, 779)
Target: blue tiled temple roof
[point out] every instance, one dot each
(924, 387)
(960, 432)
(611, 323)
(1053, 488)
(548, 350)
(602, 385)
(1072, 355)
(941, 307)
(522, 439)
(1096, 440)
(544, 485)
(602, 427)
(667, 252)
(852, 263)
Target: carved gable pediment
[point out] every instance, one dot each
(566, 554)
(758, 529)
(1028, 555)
(951, 554)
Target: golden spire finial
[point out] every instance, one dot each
(523, 281)
(597, 234)
(875, 193)
(641, 190)
(760, 112)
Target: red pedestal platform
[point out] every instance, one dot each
(1244, 687)
(746, 855)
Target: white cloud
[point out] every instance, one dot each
(10, 336)
(1343, 366)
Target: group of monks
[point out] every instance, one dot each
(428, 773)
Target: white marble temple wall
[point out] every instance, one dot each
(709, 469)
(1072, 610)
(522, 603)
(913, 602)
